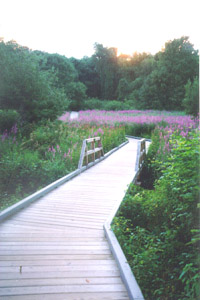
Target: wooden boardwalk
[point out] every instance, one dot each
(56, 249)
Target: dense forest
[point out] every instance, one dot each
(39, 85)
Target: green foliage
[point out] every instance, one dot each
(8, 118)
(191, 100)
(93, 103)
(66, 77)
(76, 92)
(113, 105)
(97, 104)
(106, 66)
(87, 74)
(140, 129)
(153, 166)
(123, 89)
(150, 82)
(26, 88)
(157, 229)
(60, 65)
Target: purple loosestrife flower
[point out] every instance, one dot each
(14, 129)
(100, 131)
(53, 150)
(68, 153)
(75, 145)
(4, 136)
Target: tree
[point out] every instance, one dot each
(77, 93)
(25, 87)
(123, 89)
(106, 65)
(87, 74)
(67, 78)
(61, 66)
(166, 76)
(180, 61)
(191, 100)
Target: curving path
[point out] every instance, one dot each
(56, 249)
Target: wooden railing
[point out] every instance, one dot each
(141, 154)
(91, 148)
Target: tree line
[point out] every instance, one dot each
(39, 85)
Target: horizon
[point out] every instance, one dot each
(79, 58)
(71, 28)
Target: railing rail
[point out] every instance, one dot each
(90, 147)
(141, 154)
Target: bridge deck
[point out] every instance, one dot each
(55, 248)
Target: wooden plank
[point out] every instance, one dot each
(62, 289)
(92, 151)
(72, 274)
(69, 262)
(60, 222)
(60, 268)
(53, 251)
(72, 296)
(59, 215)
(58, 234)
(60, 281)
(55, 243)
(55, 247)
(57, 257)
(90, 140)
(52, 225)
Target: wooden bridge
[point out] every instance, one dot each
(55, 248)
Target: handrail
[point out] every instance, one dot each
(86, 151)
(141, 154)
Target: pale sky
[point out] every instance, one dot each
(71, 27)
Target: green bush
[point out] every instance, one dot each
(93, 103)
(140, 130)
(191, 100)
(26, 88)
(158, 229)
(113, 105)
(8, 118)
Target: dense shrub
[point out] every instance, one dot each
(191, 100)
(26, 88)
(140, 129)
(8, 118)
(158, 228)
(93, 103)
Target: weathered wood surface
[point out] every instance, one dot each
(55, 248)
(89, 148)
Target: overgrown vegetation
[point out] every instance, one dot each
(158, 229)
(46, 153)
